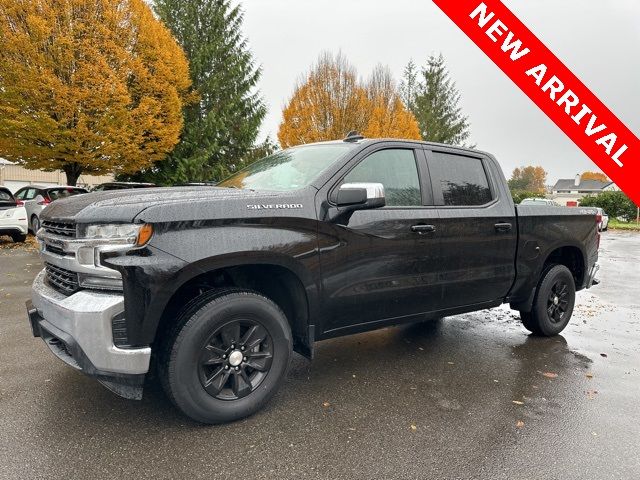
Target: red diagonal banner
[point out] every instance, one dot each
(551, 86)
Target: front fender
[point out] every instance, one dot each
(182, 253)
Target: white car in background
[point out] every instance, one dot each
(603, 220)
(540, 201)
(13, 216)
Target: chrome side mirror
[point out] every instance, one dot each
(360, 196)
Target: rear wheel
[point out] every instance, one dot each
(226, 356)
(553, 302)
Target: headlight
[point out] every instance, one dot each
(122, 233)
(119, 231)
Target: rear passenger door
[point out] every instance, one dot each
(476, 227)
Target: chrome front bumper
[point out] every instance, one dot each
(77, 329)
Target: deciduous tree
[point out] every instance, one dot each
(594, 176)
(528, 179)
(93, 86)
(330, 101)
(325, 105)
(388, 116)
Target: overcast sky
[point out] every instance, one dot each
(598, 40)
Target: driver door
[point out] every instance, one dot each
(379, 265)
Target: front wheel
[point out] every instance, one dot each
(35, 224)
(226, 356)
(553, 303)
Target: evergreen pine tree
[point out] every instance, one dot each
(221, 128)
(434, 100)
(409, 85)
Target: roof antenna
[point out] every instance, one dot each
(353, 136)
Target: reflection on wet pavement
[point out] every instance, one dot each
(471, 396)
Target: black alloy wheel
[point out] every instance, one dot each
(558, 301)
(553, 302)
(235, 359)
(226, 355)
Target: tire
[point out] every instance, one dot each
(35, 224)
(553, 302)
(226, 356)
(18, 237)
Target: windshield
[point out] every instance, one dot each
(289, 169)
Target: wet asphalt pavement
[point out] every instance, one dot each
(465, 397)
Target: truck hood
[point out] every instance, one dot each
(155, 204)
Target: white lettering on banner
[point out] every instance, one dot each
(554, 86)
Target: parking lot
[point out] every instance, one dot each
(471, 396)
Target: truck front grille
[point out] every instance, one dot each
(62, 279)
(60, 228)
(56, 250)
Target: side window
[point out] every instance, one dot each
(26, 194)
(462, 180)
(396, 169)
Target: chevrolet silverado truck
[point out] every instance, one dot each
(213, 288)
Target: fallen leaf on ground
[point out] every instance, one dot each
(414, 428)
(550, 374)
(517, 402)
(519, 424)
(326, 404)
(589, 375)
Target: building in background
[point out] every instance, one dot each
(15, 177)
(570, 191)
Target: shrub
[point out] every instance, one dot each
(616, 204)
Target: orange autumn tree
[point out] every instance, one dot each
(330, 101)
(594, 176)
(388, 115)
(94, 86)
(528, 179)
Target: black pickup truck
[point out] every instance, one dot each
(216, 286)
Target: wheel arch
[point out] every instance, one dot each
(572, 257)
(279, 278)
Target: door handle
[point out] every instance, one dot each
(422, 229)
(503, 227)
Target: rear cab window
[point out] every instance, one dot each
(459, 180)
